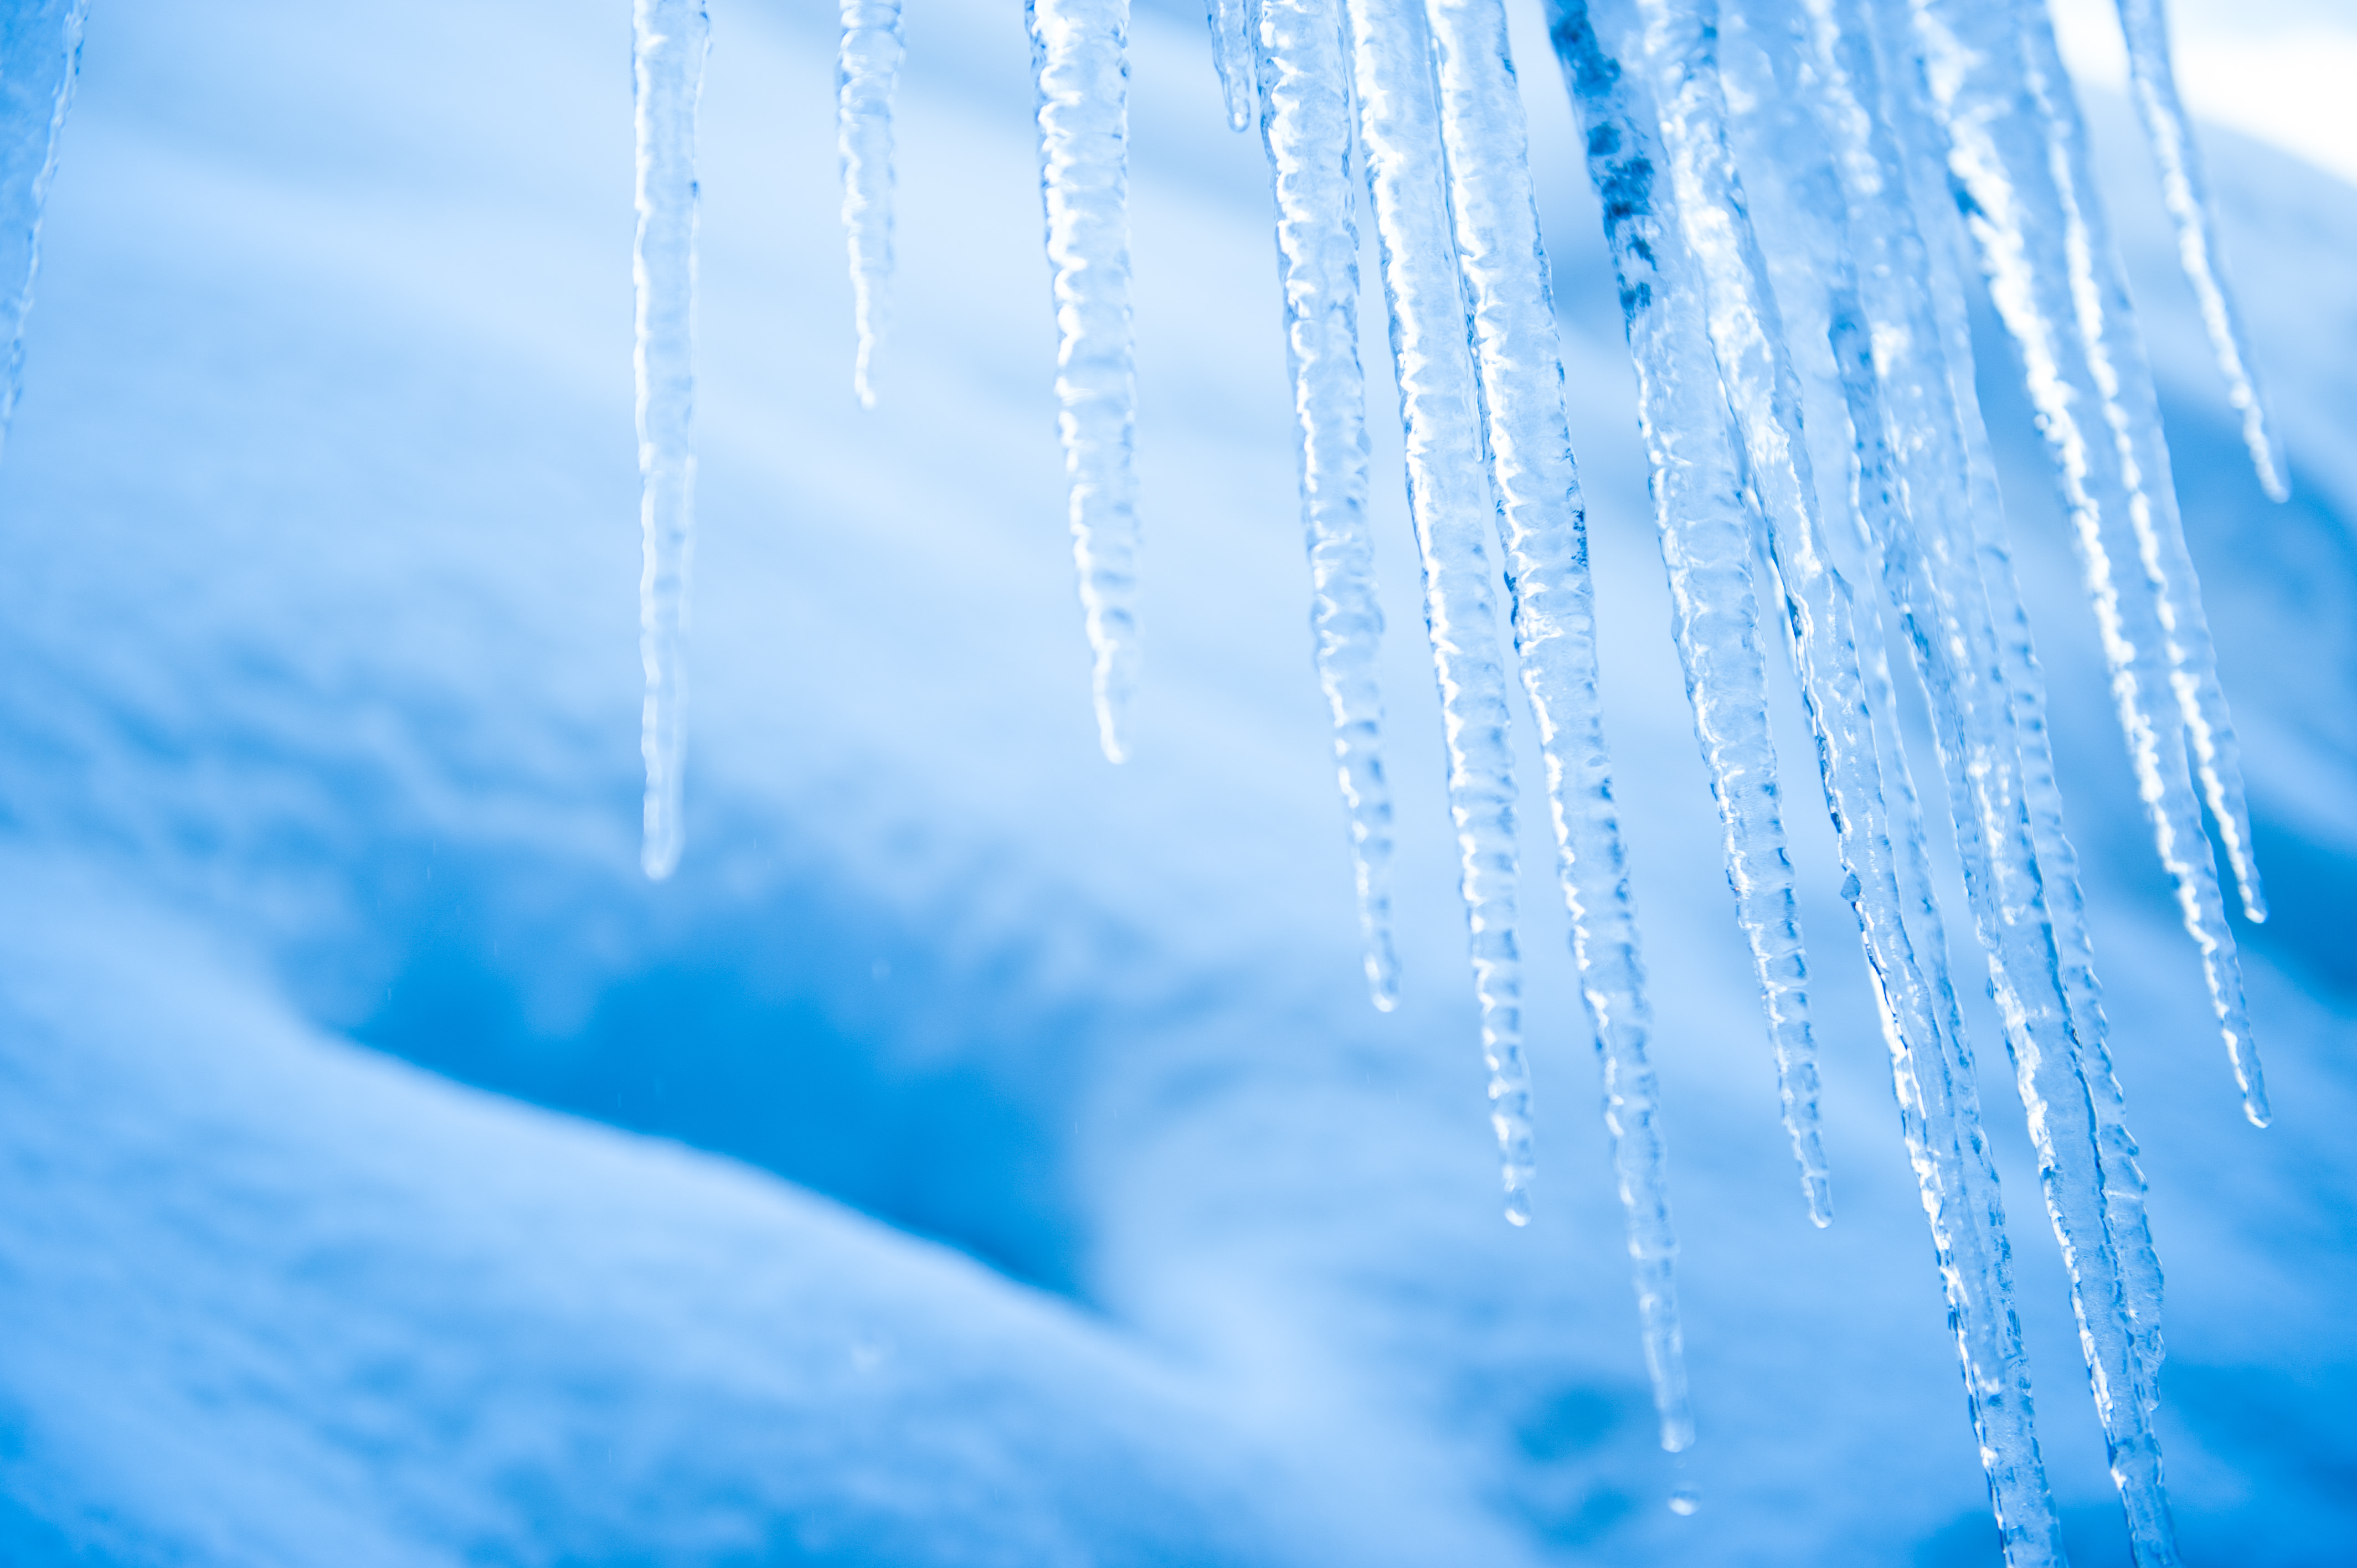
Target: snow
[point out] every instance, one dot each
(320, 625)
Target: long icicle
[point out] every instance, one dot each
(1305, 127)
(1450, 503)
(1918, 542)
(1079, 50)
(2185, 190)
(2025, 685)
(42, 56)
(1930, 1064)
(1233, 55)
(1542, 528)
(1705, 533)
(2005, 155)
(2113, 343)
(671, 38)
(866, 72)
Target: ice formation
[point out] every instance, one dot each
(1806, 395)
(866, 70)
(670, 37)
(1306, 126)
(1798, 197)
(40, 52)
(1080, 54)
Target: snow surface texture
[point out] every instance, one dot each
(320, 517)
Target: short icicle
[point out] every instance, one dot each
(1542, 528)
(41, 55)
(1450, 503)
(2054, 281)
(2185, 190)
(866, 72)
(1305, 127)
(1081, 51)
(670, 37)
(1233, 55)
(1669, 159)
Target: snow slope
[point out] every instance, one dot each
(321, 519)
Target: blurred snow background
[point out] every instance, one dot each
(977, 1155)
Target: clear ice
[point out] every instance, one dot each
(867, 70)
(1080, 53)
(1542, 535)
(1303, 62)
(671, 38)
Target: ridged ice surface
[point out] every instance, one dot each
(670, 38)
(1234, 57)
(1619, 55)
(867, 68)
(40, 52)
(1799, 196)
(1079, 50)
(1450, 501)
(1543, 532)
(2016, 147)
(1705, 529)
(1808, 100)
(2185, 190)
(1303, 62)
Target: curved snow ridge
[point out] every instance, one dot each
(266, 1291)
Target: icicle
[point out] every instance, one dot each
(2124, 1186)
(1306, 126)
(1919, 544)
(1705, 541)
(2185, 189)
(1702, 211)
(866, 72)
(40, 54)
(1543, 532)
(1450, 503)
(2054, 279)
(670, 37)
(2115, 347)
(1079, 50)
(1233, 55)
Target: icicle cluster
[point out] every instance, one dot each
(1799, 196)
(41, 53)
(1806, 397)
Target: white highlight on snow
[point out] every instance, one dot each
(2274, 70)
(1079, 52)
(867, 70)
(40, 54)
(1542, 533)
(1451, 502)
(1304, 69)
(670, 40)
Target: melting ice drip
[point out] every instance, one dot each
(1806, 396)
